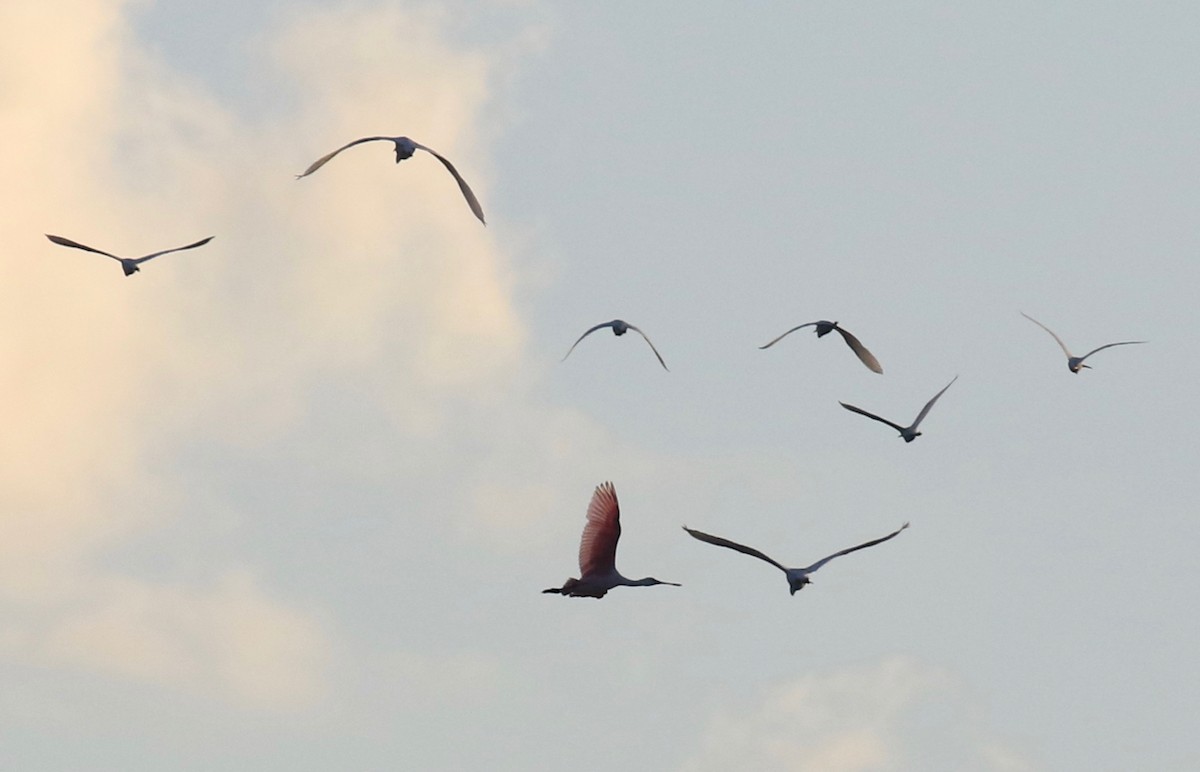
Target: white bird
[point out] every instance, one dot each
(1074, 363)
(598, 551)
(824, 328)
(405, 148)
(129, 265)
(909, 433)
(796, 577)
(619, 328)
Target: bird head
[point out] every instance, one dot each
(796, 584)
(129, 267)
(824, 328)
(909, 437)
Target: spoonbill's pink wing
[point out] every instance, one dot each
(598, 548)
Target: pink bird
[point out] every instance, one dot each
(598, 551)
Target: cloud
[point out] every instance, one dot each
(894, 714)
(369, 279)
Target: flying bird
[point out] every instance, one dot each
(824, 328)
(619, 328)
(1074, 363)
(598, 551)
(796, 577)
(405, 148)
(129, 265)
(909, 433)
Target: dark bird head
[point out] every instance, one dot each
(910, 436)
(796, 584)
(824, 328)
(619, 327)
(404, 148)
(129, 267)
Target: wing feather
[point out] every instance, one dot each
(847, 551)
(462, 184)
(742, 548)
(652, 348)
(317, 164)
(598, 547)
(68, 243)
(860, 411)
(789, 332)
(153, 255)
(581, 337)
(1110, 345)
(1061, 345)
(928, 405)
(864, 356)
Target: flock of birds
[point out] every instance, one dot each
(598, 546)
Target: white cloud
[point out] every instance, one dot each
(369, 273)
(895, 714)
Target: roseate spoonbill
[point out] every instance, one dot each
(796, 577)
(824, 328)
(1074, 363)
(405, 148)
(619, 328)
(129, 265)
(909, 433)
(598, 551)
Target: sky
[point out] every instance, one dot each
(287, 501)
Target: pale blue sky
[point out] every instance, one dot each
(287, 501)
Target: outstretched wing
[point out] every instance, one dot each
(153, 255)
(1109, 345)
(581, 337)
(317, 164)
(598, 547)
(742, 548)
(871, 543)
(639, 332)
(864, 356)
(462, 184)
(68, 243)
(1061, 345)
(789, 332)
(925, 410)
(860, 411)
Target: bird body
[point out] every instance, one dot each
(619, 328)
(598, 551)
(909, 433)
(823, 328)
(797, 578)
(405, 148)
(1074, 363)
(128, 265)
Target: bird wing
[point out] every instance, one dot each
(1109, 345)
(153, 255)
(1062, 345)
(68, 243)
(925, 410)
(598, 547)
(742, 548)
(789, 332)
(864, 356)
(462, 184)
(581, 337)
(639, 332)
(860, 411)
(847, 551)
(317, 164)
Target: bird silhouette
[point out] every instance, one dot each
(909, 433)
(405, 148)
(598, 551)
(824, 328)
(619, 328)
(796, 577)
(129, 265)
(1074, 363)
